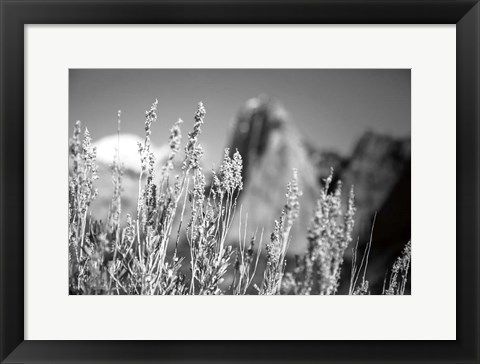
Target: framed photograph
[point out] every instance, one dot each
(239, 181)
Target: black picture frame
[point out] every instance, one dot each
(16, 13)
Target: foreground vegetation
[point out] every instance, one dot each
(173, 211)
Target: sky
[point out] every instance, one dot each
(332, 108)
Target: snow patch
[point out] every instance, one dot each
(129, 155)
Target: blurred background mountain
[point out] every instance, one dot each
(378, 168)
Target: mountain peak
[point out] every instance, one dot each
(271, 147)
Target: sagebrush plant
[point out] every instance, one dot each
(329, 235)
(134, 257)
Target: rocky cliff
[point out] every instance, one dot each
(378, 168)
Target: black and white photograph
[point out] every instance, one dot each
(239, 182)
